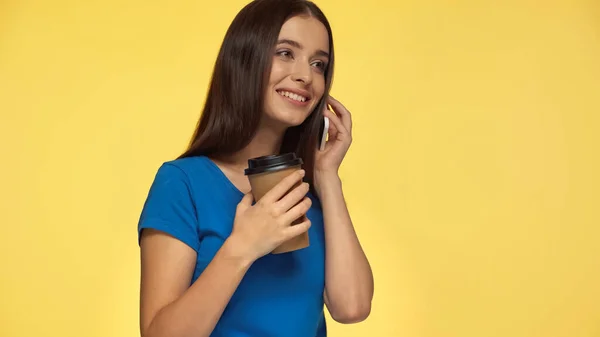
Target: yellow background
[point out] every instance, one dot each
(472, 181)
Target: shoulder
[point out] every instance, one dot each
(185, 166)
(197, 175)
(185, 169)
(170, 205)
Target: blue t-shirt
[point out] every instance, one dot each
(281, 295)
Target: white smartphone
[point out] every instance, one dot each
(324, 130)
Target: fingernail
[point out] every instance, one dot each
(302, 173)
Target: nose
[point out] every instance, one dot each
(302, 73)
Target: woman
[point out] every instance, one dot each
(205, 244)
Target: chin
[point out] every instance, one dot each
(291, 118)
(287, 117)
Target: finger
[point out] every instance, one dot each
(341, 110)
(292, 198)
(338, 125)
(297, 211)
(332, 135)
(283, 187)
(293, 231)
(332, 128)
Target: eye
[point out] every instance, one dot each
(320, 65)
(285, 54)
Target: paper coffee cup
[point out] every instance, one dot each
(266, 172)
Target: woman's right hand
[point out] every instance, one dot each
(258, 229)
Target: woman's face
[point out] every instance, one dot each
(297, 79)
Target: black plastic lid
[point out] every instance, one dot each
(272, 163)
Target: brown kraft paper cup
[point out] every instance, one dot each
(266, 172)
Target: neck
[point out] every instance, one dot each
(266, 141)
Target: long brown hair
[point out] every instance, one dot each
(235, 99)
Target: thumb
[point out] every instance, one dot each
(247, 200)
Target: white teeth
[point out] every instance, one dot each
(293, 96)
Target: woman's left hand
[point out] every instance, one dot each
(329, 160)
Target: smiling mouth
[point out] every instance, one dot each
(293, 96)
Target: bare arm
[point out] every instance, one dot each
(168, 305)
(348, 275)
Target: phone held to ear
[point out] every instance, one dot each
(323, 133)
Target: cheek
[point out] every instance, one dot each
(277, 72)
(319, 87)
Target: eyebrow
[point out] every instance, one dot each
(299, 46)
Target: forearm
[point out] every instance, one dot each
(198, 310)
(348, 275)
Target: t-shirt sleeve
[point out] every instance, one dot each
(169, 207)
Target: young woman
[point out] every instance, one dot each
(205, 244)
